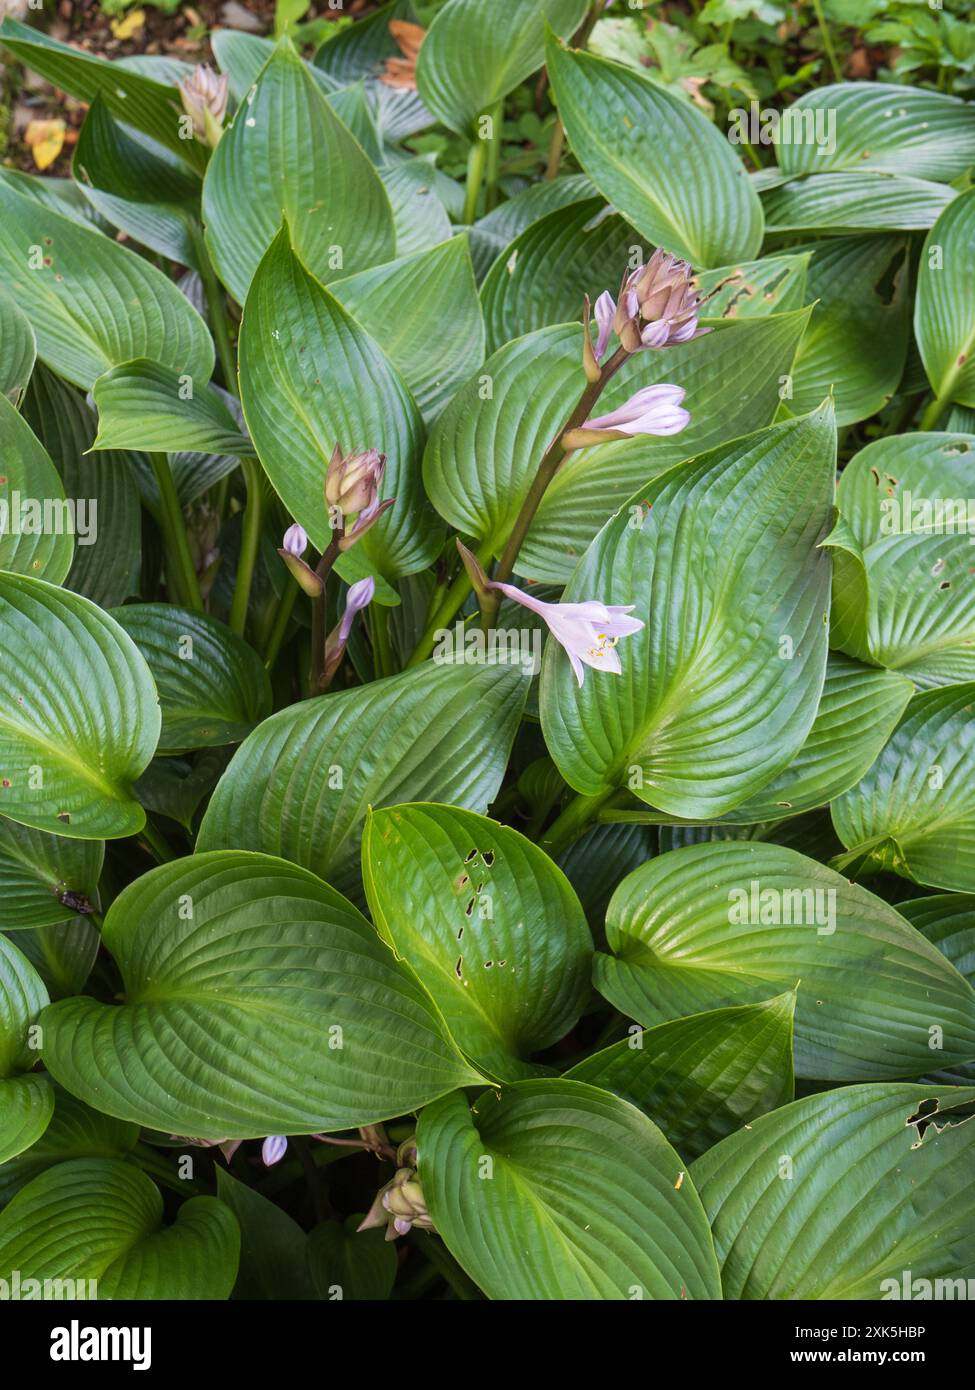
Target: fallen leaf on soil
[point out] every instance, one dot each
(45, 139)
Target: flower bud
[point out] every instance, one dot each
(352, 483)
(400, 1205)
(293, 546)
(204, 97)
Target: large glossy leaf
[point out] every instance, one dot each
(36, 521)
(543, 274)
(46, 878)
(703, 1077)
(243, 56)
(489, 925)
(914, 811)
(419, 215)
(311, 376)
(855, 202)
(434, 336)
(902, 592)
(210, 949)
(100, 1220)
(26, 1099)
(496, 230)
(755, 289)
(137, 99)
(726, 923)
(845, 1195)
(78, 714)
(948, 920)
(108, 555)
(484, 450)
(881, 128)
(75, 1131)
(725, 567)
(272, 1244)
(212, 686)
(18, 349)
(349, 1264)
(288, 154)
(856, 343)
(558, 1190)
(144, 405)
(63, 954)
(657, 159)
(92, 302)
(944, 315)
(301, 784)
(474, 55)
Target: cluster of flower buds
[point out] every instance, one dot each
(352, 485)
(658, 306)
(400, 1205)
(204, 97)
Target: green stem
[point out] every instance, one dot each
(450, 605)
(319, 614)
(250, 545)
(382, 650)
(476, 164)
(179, 560)
(555, 148)
(937, 407)
(158, 843)
(279, 631)
(493, 158)
(217, 313)
(574, 820)
(827, 40)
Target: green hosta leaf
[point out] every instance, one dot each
(434, 336)
(59, 195)
(107, 561)
(841, 1196)
(46, 878)
(879, 128)
(419, 215)
(144, 405)
(755, 289)
(857, 338)
(311, 376)
(287, 153)
(212, 686)
(93, 303)
(944, 315)
(496, 230)
(214, 948)
(853, 202)
(542, 276)
(660, 162)
(62, 954)
(491, 928)
(26, 1101)
(484, 450)
(138, 187)
(725, 923)
(703, 1077)
(101, 1220)
(78, 714)
(719, 690)
(243, 56)
(349, 1264)
(36, 523)
(272, 1244)
(473, 56)
(948, 920)
(902, 593)
(595, 864)
(558, 1190)
(18, 350)
(357, 54)
(133, 97)
(301, 784)
(176, 788)
(75, 1131)
(914, 811)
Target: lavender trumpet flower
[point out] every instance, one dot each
(587, 631)
(360, 595)
(651, 410)
(658, 306)
(293, 546)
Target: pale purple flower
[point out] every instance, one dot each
(273, 1149)
(295, 540)
(293, 545)
(359, 596)
(204, 98)
(605, 313)
(588, 631)
(651, 410)
(658, 304)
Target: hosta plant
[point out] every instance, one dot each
(487, 729)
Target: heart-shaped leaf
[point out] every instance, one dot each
(46, 878)
(310, 376)
(301, 784)
(719, 691)
(63, 954)
(144, 405)
(212, 686)
(755, 289)
(79, 717)
(657, 159)
(725, 923)
(272, 1245)
(488, 924)
(473, 56)
(94, 1226)
(214, 948)
(344, 1263)
(703, 1077)
(36, 520)
(288, 154)
(26, 1099)
(944, 314)
(92, 302)
(558, 1190)
(855, 202)
(75, 1131)
(493, 233)
(821, 1199)
(914, 811)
